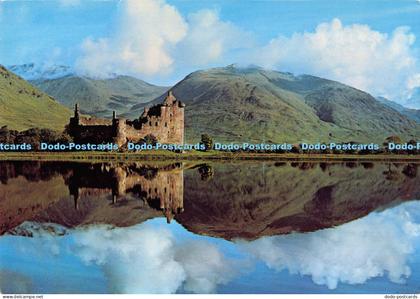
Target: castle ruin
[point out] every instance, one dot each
(164, 121)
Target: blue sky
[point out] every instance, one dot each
(162, 41)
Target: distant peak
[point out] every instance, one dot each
(33, 71)
(244, 67)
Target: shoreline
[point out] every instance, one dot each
(199, 156)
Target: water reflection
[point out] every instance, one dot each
(378, 253)
(379, 245)
(280, 227)
(227, 200)
(161, 187)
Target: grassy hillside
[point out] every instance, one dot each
(251, 104)
(100, 97)
(23, 106)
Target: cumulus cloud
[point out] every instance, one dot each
(205, 267)
(208, 39)
(154, 38)
(147, 260)
(376, 62)
(140, 46)
(377, 245)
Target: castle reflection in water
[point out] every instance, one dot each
(160, 187)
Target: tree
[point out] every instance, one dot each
(206, 172)
(207, 141)
(150, 139)
(391, 139)
(7, 136)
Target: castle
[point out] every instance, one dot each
(164, 121)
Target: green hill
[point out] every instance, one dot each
(100, 97)
(252, 104)
(23, 106)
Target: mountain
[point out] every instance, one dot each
(413, 114)
(23, 106)
(100, 97)
(32, 71)
(257, 105)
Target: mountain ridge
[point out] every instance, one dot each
(253, 104)
(99, 97)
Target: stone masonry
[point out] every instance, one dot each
(164, 121)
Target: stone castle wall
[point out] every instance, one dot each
(164, 121)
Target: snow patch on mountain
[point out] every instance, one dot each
(32, 71)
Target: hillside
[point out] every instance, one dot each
(100, 97)
(413, 114)
(252, 104)
(23, 106)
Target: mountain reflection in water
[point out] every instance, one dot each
(280, 227)
(227, 200)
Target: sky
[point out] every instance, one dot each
(371, 45)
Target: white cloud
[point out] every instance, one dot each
(154, 38)
(376, 62)
(209, 39)
(142, 259)
(140, 46)
(204, 266)
(377, 245)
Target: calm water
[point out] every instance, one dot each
(249, 227)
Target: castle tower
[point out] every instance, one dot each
(76, 111)
(172, 111)
(170, 99)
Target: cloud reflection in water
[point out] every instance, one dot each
(155, 258)
(376, 245)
